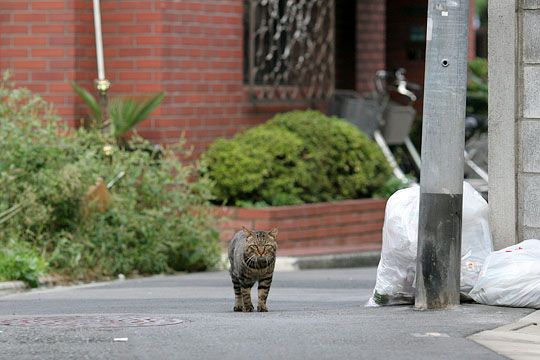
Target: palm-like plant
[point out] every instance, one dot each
(124, 113)
(96, 115)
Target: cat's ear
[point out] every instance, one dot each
(246, 231)
(273, 233)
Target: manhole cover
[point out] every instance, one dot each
(92, 321)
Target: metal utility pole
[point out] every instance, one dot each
(443, 134)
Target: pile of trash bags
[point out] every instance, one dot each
(511, 277)
(492, 278)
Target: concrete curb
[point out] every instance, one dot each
(334, 261)
(9, 287)
(326, 261)
(45, 281)
(283, 263)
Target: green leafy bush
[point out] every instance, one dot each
(296, 157)
(477, 87)
(18, 262)
(481, 10)
(392, 185)
(158, 218)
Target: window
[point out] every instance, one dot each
(289, 49)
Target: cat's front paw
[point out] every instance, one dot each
(237, 308)
(248, 308)
(262, 308)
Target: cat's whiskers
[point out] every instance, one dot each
(252, 260)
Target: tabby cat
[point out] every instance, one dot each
(252, 255)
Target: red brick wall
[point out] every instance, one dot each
(192, 50)
(472, 32)
(203, 71)
(370, 42)
(133, 49)
(400, 51)
(344, 226)
(46, 44)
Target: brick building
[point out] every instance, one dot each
(198, 53)
(405, 37)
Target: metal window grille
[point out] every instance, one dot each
(290, 49)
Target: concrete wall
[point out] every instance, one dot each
(528, 127)
(502, 43)
(514, 120)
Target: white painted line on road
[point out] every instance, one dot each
(430, 334)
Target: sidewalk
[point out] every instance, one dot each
(519, 340)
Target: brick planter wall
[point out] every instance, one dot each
(322, 228)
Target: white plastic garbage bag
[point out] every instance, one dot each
(511, 277)
(396, 273)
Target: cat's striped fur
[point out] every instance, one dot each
(252, 255)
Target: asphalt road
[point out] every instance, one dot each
(315, 314)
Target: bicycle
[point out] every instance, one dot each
(387, 116)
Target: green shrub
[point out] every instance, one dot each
(477, 87)
(296, 157)
(158, 218)
(392, 185)
(21, 263)
(263, 164)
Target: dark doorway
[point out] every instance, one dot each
(345, 44)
